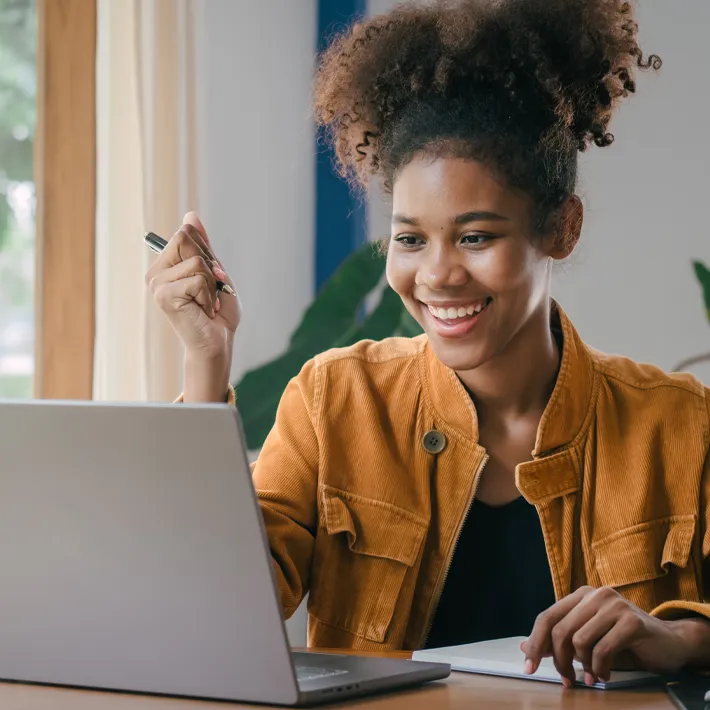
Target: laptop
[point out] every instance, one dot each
(134, 558)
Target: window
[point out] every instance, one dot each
(18, 88)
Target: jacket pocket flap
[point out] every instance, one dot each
(373, 527)
(645, 551)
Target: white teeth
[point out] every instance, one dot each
(453, 313)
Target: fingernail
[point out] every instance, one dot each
(529, 667)
(589, 679)
(566, 682)
(217, 305)
(219, 273)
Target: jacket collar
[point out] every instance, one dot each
(565, 413)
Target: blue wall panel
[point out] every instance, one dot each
(340, 216)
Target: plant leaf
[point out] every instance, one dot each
(703, 274)
(335, 308)
(330, 319)
(380, 324)
(259, 392)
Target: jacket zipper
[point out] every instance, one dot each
(440, 588)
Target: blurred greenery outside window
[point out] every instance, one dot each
(18, 83)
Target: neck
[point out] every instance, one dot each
(519, 380)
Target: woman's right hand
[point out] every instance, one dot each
(183, 282)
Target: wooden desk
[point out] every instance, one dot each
(461, 691)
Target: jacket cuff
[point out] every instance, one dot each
(670, 611)
(230, 398)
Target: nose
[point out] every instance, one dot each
(442, 269)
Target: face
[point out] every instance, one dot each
(465, 260)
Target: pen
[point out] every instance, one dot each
(157, 244)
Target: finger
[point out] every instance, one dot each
(185, 269)
(174, 295)
(617, 640)
(216, 268)
(198, 287)
(563, 634)
(192, 219)
(213, 261)
(197, 237)
(180, 247)
(587, 636)
(539, 643)
(589, 633)
(221, 274)
(575, 635)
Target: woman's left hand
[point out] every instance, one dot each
(602, 630)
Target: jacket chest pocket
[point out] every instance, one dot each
(363, 552)
(650, 563)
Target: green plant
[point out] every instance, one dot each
(334, 319)
(703, 275)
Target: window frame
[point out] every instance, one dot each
(65, 180)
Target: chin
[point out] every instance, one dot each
(460, 357)
(460, 342)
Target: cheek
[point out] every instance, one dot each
(400, 274)
(508, 268)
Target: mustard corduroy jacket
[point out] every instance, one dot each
(363, 510)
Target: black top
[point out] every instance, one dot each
(499, 579)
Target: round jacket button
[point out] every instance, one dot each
(434, 442)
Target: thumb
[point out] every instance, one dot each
(192, 219)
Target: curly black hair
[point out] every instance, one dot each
(521, 85)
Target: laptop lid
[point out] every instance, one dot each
(134, 555)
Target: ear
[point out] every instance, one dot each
(567, 229)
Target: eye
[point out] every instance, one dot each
(409, 240)
(476, 239)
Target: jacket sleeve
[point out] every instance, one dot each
(678, 609)
(286, 481)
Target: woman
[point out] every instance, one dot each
(494, 477)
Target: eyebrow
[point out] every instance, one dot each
(465, 218)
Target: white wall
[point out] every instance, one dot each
(629, 288)
(255, 63)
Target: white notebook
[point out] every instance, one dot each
(503, 657)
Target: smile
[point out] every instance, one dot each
(452, 313)
(454, 320)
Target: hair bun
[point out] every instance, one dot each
(553, 69)
(579, 55)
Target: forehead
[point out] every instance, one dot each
(443, 187)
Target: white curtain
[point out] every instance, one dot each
(146, 171)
